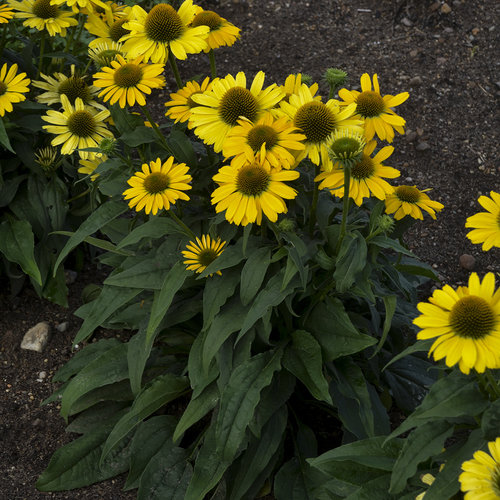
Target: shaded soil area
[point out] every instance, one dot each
(445, 55)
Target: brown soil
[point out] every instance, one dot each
(445, 57)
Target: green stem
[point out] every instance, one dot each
(485, 383)
(124, 159)
(345, 206)
(175, 69)
(81, 195)
(42, 49)
(181, 224)
(213, 68)
(163, 141)
(4, 38)
(314, 205)
(493, 383)
(81, 22)
(332, 91)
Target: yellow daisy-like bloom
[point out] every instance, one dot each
(228, 101)
(222, 33)
(200, 254)
(108, 30)
(72, 87)
(465, 323)
(480, 479)
(90, 164)
(409, 200)
(77, 127)
(247, 192)
(181, 101)
(293, 84)
(164, 29)
(366, 176)
(318, 121)
(112, 12)
(103, 53)
(486, 224)
(376, 110)
(44, 15)
(86, 6)
(6, 13)
(158, 186)
(12, 88)
(127, 82)
(273, 138)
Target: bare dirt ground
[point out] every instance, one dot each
(444, 54)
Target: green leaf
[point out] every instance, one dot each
(110, 367)
(197, 408)
(423, 443)
(82, 358)
(446, 483)
(158, 393)
(386, 242)
(372, 452)
(96, 242)
(148, 440)
(451, 397)
(124, 120)
(217, 290)
(156, 227)
(17, 243)
(419, 346)
(104, 214)
(390, 302)
(4, 138)
(91, 418)
(197, 376)
(77, 464)
(140, 135)
(230, 257)
(110, 299)
(182, 148)
(254, 464)
(147, 274)
(303, 359)
(332, 328)
(270, 296)
(490, 421)
(167, 475)
(253, 273)
(350, 261)
(239, 400)
(290, 483)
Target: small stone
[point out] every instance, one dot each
(475, 31)
(467, 261)
(445, 8)
(422, 146)
(42, 375)
(434, 6)
(413, 53)
(416, 80)
(62, 327)
(406, 22)
(420, 131)
(70, 276)
(36, 422)
(441, 60)
(37, 337)
(411, 136)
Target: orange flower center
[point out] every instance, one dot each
(163, 24)
(156, 182)
(252, 180)
(369, 104)
(409, 194)
(472, 317)
(238, 101)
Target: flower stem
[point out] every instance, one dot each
(163, 141)
(345, 206)
(175, 69)
(213, 68)
(4, 38)
(42, 49)
(314, 205)
(493, 383)
(181, 224)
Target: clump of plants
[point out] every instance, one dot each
(258, 262)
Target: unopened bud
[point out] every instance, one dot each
(386, 223)
(335, 77)
(286, 225)
(107, 145)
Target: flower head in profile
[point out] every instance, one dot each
(158, 186)
(222, 33)
(247, 192)
(13, 86)
(465, 323)
(318, 121)
(76, 127)
(376, 110)
(73, 87)
(220, 109)
(127, 82)
(6, 13)
(181, 102)
(88, 166)
(200, 254)
(486, 225)
(480, 478)
(48, 158)
(109, 29)
(409, 200)
(44, 15)
(293, 84)
(163, 29)
(278, 140)
(367, 176)
(86, 6)
(104, 53)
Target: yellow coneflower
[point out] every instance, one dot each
(486, 224)
(200, 254)
(13, 86)
(222, 32)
